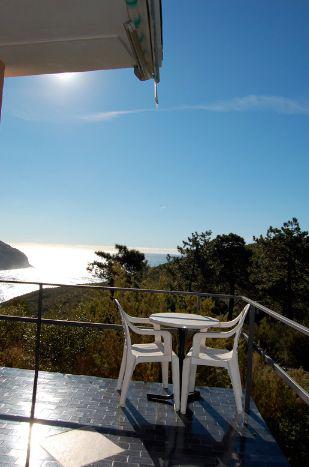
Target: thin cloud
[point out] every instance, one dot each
(250, 103)
(40, 117)
(111, 115)
(278, 104)
(62, 117)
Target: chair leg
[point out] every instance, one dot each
(175, 375)
(185, 384)
(164, 368)
(192, 378)
(130, 365)
(236, 383)
(122, 368)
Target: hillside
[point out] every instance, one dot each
(12, 258)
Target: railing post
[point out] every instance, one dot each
(249, 359)
(37, 350)
(198, 304)
(230, 308)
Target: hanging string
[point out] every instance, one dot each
(156, 95)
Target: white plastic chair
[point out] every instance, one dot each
(200, 354)
(158, 351)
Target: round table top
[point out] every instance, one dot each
(183, 320)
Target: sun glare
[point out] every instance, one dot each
(65, 77)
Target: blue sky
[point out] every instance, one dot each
(227, 150)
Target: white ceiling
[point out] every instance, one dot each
(54, 36)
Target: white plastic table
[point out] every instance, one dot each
(183, 322)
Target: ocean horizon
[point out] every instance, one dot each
(62, 264)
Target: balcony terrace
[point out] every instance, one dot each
(71, 420)
(71, 409)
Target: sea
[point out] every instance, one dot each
(61, 264)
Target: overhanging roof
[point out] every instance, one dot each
(56, 36)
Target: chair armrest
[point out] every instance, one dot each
(220, 335)
(229, 324)
(200, 339)
(165, 335)
(136, 320)
(222, 324)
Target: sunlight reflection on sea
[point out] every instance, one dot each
(61, 264)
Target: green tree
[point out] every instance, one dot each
(194, 267)
(231, 263)
(219, 264)
(130, 262)
(280, 268)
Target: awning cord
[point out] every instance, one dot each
(156, 94)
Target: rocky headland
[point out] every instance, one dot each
(12, 258)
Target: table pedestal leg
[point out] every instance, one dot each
(193, 396)
(160, 397)
(181, 352)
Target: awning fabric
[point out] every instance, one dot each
(56, 36)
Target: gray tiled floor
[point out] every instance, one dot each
(149, 433)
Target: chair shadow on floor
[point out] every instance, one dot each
(189, 439)
(206, 434)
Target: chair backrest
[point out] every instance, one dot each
(241, 317)
(125, 324)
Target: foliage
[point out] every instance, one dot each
(220, 264)
(280, 269)
(232, 261)
(287, 346)
(286, 415)
(195, 269)
(125, 261)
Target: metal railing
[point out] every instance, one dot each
(301, 392)
(252, 346)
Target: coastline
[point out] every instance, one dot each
(57, 266)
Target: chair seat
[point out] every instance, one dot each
(212, 356)
(148, 350)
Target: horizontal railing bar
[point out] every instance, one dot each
(81, 324)
(302, 393)
(22, 319)
(293, 324)
(121, 289)
(59, 322)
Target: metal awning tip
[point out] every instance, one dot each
(156, 99)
